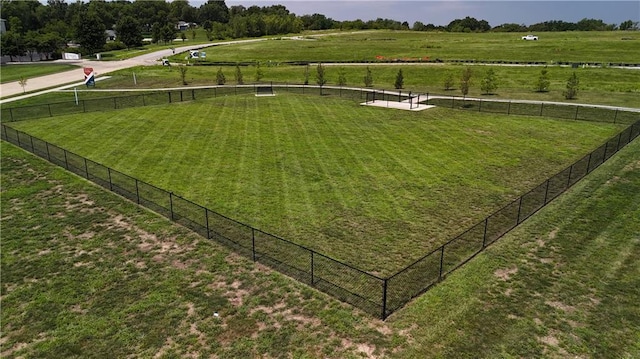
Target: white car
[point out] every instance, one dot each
(530, 37)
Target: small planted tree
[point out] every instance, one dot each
(306, 74)
(183, 36)
(259, 72)
(368, 78)
(465, 81)
(489, 84)
(342, 77)
(321, 79)
(448, 82)
(220, 80)
(543, 81)
(572, 87)
(23, 83)
(238, 75)
(399, 80)
(183, 74)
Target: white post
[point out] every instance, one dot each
(135, 82)
(75, 91)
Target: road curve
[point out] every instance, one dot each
(99, 67)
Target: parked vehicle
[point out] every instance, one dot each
(530, 37)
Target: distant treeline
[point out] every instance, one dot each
(33, 27)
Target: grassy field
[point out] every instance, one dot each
(9, 73)
(87, 274)
(604, 86)
(367, 46)
(373, 187)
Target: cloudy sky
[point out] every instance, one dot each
(444, 11)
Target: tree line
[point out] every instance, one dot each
(37, 28)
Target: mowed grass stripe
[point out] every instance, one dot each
(341, 178)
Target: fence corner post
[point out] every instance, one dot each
(384, 299)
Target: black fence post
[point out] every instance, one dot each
(193, 94)
(144, 103)
(606, 147)
(312, 281)
(169, 96)
(484, 236)
(115, 103)
(86, 168)
(441, 261)
(509, 108)
(84, 108)
(576, 115)
(519, 210)
(546, 192)
(11, 113)
(18, 137)
(49, 107)
(541, 107)
(110, 183)
(384, 299)
(615, 116)
(48, 154)
(480, 105)
(137, 192)
(181, 100)
(618, 146)
(589, 163)
(571, 169)
(253, 243)
(66, 163)
(33, 149)
(171, 204)
(206, 220)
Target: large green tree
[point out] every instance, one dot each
(129, 31)
(90, 32)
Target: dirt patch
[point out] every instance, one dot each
(561, 306)
(554, 233)
(632, 166)
(81, 203)
(191, 309)
(367, 350)
(549, 340)
(269, 310)
(505, 274)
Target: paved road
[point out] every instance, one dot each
(51, 82)
(99, 67)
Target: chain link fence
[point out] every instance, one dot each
(375, 295)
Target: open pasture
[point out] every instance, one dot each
(370, 46)
(373, 187)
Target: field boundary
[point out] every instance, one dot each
(373, 294)
(562, 110)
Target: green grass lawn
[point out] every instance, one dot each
(87, 274)
(9, 73)
(606, 86)
(373, 187)
(591, 46)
